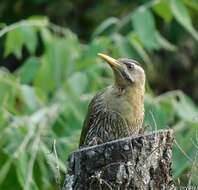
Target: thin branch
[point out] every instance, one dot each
(190, 174)
(40, 23)
(58, 177)
(183, 152)
(35, 23)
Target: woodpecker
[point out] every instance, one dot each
(118, 110)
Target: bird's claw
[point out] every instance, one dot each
(143, 129)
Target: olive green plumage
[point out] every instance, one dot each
(118, 110)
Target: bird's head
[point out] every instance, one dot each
(127, 71)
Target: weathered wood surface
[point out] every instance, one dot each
(141, 162)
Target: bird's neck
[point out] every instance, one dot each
(128, 101)
(134, 91)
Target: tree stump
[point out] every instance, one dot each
(141, 162)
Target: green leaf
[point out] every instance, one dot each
(15, 39)
(46, 36)
(184, 139)
(14, 43)
(124, 46)
(44, 77)
(163, 9)
(57, 62)
(144, 26)
(29, 69)
(22, 169)
(88, 56)
(182, 16)
(78, 82)
(30, 38)
(29, 97)
(164, 43)
(192, 4)
(185, 108)
(133, 39)
(4, 170)
(43, 20)
(106, 27)
(154, 116)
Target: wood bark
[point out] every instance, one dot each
(141, 162)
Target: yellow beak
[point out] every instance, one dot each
(111, 61)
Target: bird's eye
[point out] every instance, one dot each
(130, 66)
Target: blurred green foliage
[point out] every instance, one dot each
(44, 101)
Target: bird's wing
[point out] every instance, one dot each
(95, 106)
